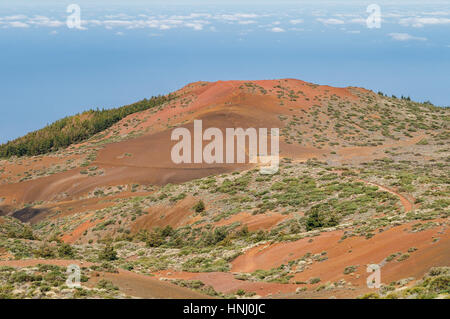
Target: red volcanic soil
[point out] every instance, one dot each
(227, 284)
(88, 204)
(5, 255)
(355, 251)
(219, 104)
(13, 171)
(78, 232)
(142, 286)
(70, 207)
(264, 221)
(207, 93)
(176, 216)
(196, 96)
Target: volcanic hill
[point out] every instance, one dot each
(363, 179)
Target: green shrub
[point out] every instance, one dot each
(45, 251)
(106, 284)
(319, 219)
(350, 269)
(108, 253)
(66, 251)
(199, 207)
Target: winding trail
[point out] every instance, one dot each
(406, 202)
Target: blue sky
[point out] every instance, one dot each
(127, 50)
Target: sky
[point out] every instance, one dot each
(124, 51)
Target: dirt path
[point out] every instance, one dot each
(407, 203)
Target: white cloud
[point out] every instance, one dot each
(22, 21)
(277, 29)
(195, 26)
(18, 24)
(345, 15)
(43, 21)
(195, 21)
(210, 21)
(14, 17)
(109, 24)
(200, 15)
(421, 22)
(392, 15)
(359, 21)
(405, 37)
(190, 16)
(296, 21)
(118, 16)
(437, 13)
(235, 16)
(330, 21)
(244, 22)
(318, 13)
(154, 23)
